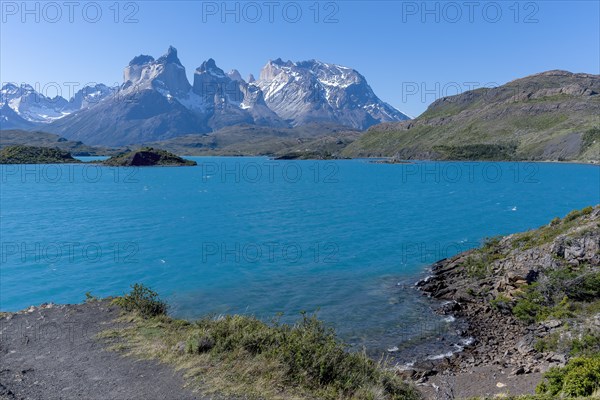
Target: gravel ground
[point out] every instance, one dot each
(480, 381)
(51, 353)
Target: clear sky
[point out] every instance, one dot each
(411, 52)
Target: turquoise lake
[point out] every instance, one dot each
(348, 238)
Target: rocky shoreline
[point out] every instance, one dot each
(501, 343)
(496, 338)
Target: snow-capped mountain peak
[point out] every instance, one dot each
(31, 105)
(166, 75)
(314, 91)
(90, 95)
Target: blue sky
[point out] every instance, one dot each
(410, 52)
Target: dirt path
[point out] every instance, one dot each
(52, 353)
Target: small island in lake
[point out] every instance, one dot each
(35, 155)
(148, 157)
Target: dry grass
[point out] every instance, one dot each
(242, 356)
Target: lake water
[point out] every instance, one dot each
(252, 235)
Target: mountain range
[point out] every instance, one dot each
(311, 109)
(157, 102)
(23, 107)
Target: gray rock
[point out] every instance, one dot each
(552, 324)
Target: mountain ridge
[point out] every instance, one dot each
(552, 115)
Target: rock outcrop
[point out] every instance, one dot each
(528, 299)
(148, 157)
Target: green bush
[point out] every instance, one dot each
(588, 343)
(491, 243)
(90, 298)
(585, 343)
(587, 210)
(549, 343)
(530, 306)
(524, 240)
(476, 266)
(573, 215)
(199, 343)
(585, 287)
(142, 300)
(563, 310)
(500, 303)
(580, 377)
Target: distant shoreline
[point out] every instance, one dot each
(372, 160)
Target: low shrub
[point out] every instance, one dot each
(548, 343)
(585, 287)
(501, 303)
(90, 298)
(580, 377)
(573, 215)
(587, 210)
(476, 266)
(142, 300)
(530, 306)
(491, 243)
(588, 343)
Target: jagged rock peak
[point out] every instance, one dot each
(142, 59)
(209, 65)
(10, 86)
(170, 57)
(281, 63)
(235, 75)
(165, 74)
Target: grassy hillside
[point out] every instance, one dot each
(554, 115)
